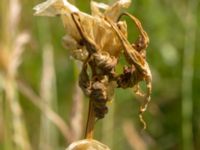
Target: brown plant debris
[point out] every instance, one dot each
(98, 40)
(87, 145)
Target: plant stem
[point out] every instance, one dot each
(187, 76)
(90, 121)
(50, 114)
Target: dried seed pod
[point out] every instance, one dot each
(84, 81)
(88, 144)
(129, 77)
(100, 98)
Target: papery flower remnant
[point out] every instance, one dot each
(94, 25)
(98, 40)
(87, 145)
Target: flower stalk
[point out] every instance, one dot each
(90, 121)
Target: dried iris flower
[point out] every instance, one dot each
(98, 40)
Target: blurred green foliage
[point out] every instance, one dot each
(172, 51)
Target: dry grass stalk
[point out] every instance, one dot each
(12, 50)
(48, 133)
(133, 138)
(20, 136)
(2, 128)
(76, 117)
(50, 114)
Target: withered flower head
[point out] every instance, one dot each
(95, 26)
(98, 39)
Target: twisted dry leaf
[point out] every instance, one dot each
(133, 54)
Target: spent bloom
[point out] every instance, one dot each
(94, 24)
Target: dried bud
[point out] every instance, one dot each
(87, 144)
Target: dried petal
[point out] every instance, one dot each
(54, 7)
(111, 12)
(70, 43)
(95, 8)
(63, 8)
(114, 11)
